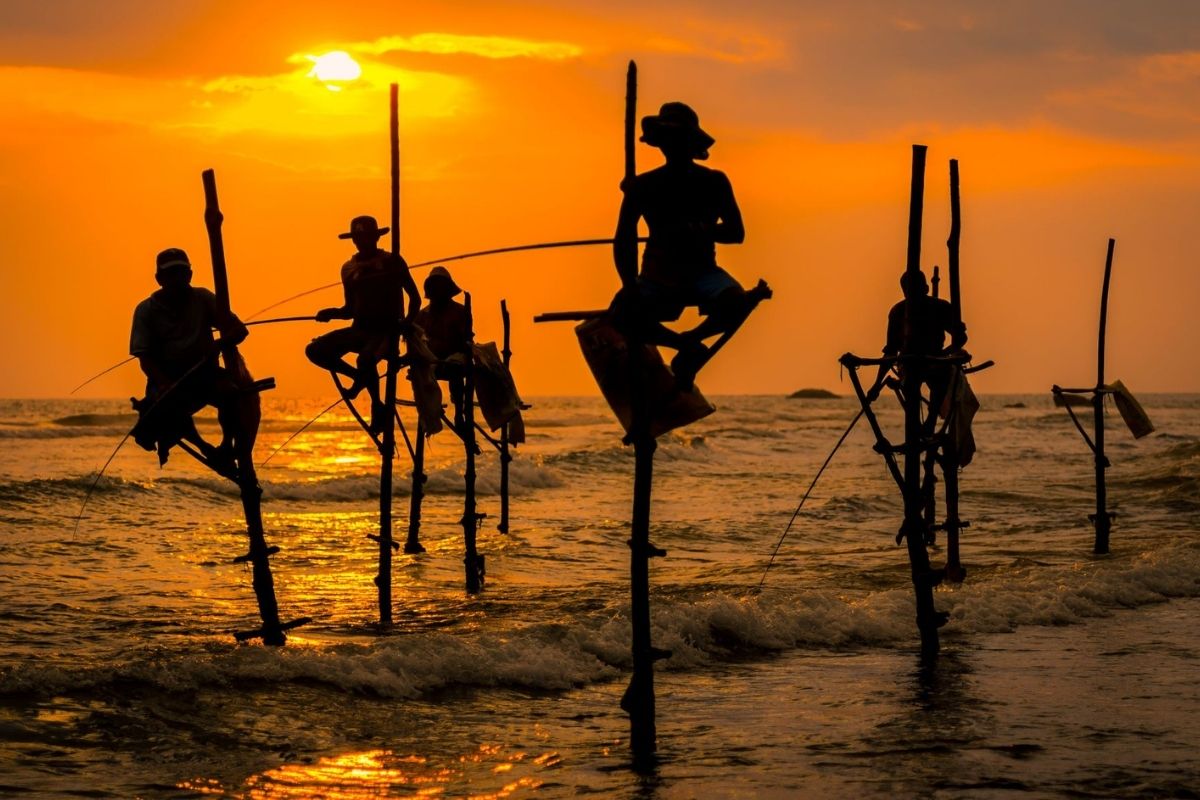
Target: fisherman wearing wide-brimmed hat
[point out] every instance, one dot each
(172, 339)
(689, 209)
(374, 282)
(447, 329)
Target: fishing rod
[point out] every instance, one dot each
(460, 257)
(796, 513)
(302, 429)
(131, 358)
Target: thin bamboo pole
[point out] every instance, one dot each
(1102, 518)
(914, 519)
(954, 568)
(388, 445)
(472, 561)
(272, 630)
(505, 456)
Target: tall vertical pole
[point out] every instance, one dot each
(954, 568)
(388, 447)
(1103, 519)
(639, 701)
(914, 518)
(264, 583)
(505, 456)
(472, 561)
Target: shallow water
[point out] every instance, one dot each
(1063, 674)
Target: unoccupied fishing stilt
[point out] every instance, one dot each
(472, 561)
(272, 631)
(505, 456)
(1103, 518)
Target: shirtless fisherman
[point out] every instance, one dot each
(689, 209)
(374, 282)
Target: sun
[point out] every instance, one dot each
(334, 68)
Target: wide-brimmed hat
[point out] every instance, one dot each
(171, 257)
(677, 122)
(441, 274)
(365, 225)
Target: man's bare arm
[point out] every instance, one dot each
(625, 242)
(729, 229)
(409, 288)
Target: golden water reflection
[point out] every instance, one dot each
(383, 773)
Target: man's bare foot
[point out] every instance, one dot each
(687, 363)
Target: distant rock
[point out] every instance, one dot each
(813, 394)
(1015, 405)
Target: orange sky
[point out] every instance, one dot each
(1073, 121)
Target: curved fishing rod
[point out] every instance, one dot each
(131, 358)
(796, 513)
(460, 257)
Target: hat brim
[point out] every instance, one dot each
(350, 234)
(454, 288)
(656, 133)
(173, 264)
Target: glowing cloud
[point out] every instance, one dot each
(483, 46)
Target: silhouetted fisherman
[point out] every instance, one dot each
(447, 329)
(689, 209)
(172, 338)
(920, 330)
(374, 282)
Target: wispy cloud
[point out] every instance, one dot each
(456, 44)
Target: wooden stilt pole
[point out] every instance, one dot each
(913, 528)
(413, 544)
(472, 561)
(388, 445)
(639, 701)
(505, 456)
(1102, 518)
(954, 568)
(272, 631)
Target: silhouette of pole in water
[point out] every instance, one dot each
(505, 456)
(639, 700)
(949, 459)
(272, 630)
(472, 561)
(1102, 518)
(913, 527)
(387, 450)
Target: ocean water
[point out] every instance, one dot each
(1062, 674)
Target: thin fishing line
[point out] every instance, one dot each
(816, 478)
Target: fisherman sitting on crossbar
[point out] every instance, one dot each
(920, 329)
(689, 209)
(172, 338)
(374, 282)
(447, 329)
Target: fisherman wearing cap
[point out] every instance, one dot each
(688, 209)
(447, 329)
(172, 339)
(917, 325)
(374, 282)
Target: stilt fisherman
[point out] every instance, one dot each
(172, 338)
(447, 329)
(374, 283)
(689, 209)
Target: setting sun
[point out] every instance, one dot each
(333, 68)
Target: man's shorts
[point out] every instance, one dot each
(667, 303)
(352, 340)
